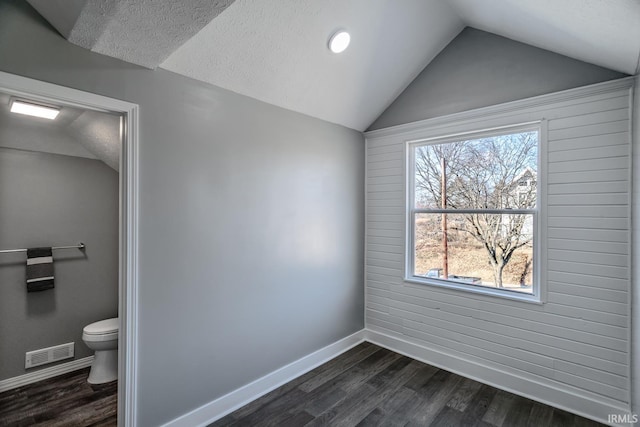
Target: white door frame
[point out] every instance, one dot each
(128, 257)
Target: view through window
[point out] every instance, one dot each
(473, 219)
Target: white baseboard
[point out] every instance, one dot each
(46, 373)
(228, 403)
(549, 394)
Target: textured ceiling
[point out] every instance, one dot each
(276, 50)
(75, 132)
(143, 32)
(99, 133)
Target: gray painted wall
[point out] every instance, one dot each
(251, 222)
(478, 69)
(54, 200)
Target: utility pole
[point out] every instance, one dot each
(443, 196)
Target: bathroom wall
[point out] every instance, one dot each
(27, 133)
(51, 199)
(251, 222)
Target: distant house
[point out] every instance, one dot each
(522, 191)
(522, 195)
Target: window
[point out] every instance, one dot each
(473, 211)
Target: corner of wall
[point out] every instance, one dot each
(635, 248)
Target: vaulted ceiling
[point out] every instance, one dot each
(75, 132)
(276, 50)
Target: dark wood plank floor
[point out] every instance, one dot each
(66, 400)
(372, 386)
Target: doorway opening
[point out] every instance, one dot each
(93, 117)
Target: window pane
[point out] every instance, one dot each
(489, 250)
(497, 172)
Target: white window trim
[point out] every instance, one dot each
(539, 214)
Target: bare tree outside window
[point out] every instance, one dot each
(474, 210)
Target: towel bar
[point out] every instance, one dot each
(80, 246)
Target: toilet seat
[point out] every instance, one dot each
(104, 330)
(107, 326)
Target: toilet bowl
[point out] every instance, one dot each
(102, 337)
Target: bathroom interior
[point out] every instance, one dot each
(59, 189)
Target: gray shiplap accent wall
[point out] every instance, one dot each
(578, 340)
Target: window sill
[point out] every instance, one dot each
(511, 295)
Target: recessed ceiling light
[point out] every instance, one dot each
(36, 110)
(339, 41)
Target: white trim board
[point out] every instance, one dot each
(45, 374)
(228, 403)
(128, 282)
(526, 387)
(635, 248)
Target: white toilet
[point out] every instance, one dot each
(102, 337)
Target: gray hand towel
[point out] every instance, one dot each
(39, 269)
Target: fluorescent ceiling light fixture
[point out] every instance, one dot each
(339, 41)
(36, 110)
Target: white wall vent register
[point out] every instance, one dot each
(48, 355)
